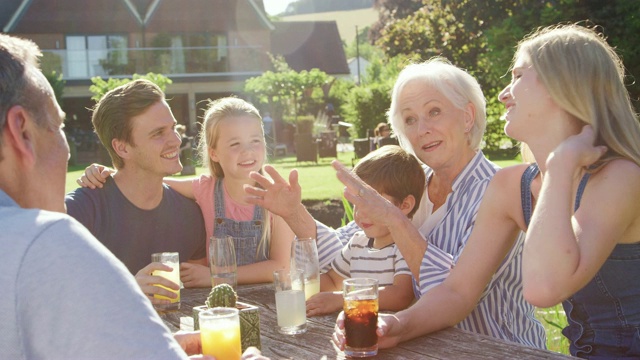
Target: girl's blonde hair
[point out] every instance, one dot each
(217, 111)
(585, 77)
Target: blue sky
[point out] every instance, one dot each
(274, 7)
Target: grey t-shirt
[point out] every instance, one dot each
(65, 296)
(133, 234)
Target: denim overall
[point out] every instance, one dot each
(246, 234)
(604, 316)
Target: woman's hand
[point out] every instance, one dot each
(95, 175)
(195, 275)
(577, 151)
(389, 330)
(365, 198)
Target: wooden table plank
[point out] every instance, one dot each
(316, 343)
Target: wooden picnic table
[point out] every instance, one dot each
(451, 343)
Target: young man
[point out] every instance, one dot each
(134, 214)
(64, 295)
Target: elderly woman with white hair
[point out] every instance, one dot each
(438, 114)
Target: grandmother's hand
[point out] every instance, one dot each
(367, 200)
(276, 195)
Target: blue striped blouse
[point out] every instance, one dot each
(502, 311)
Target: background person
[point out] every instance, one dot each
(371, 253)
(134, 214)
(381, 133)
(438, 113)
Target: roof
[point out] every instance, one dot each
(74, 16)
(306, 45)
(100, 16)
(9, 13)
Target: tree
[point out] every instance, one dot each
(100, 86)
(480, 36)
(391, 11)
(367, 105)
(290, 88)
(57, 83)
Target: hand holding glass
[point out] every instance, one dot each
(220, 333)
(291, 309)
(360, 316)
(170, 259)
(304, 259)
(222, 261)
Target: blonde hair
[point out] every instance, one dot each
(217, 111)
(454, 83)
(585, 77)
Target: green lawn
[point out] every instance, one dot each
(319, 182)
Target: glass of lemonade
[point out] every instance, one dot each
(360, 317)
(170, 259)
(304, 259)
(291, 309)
(220, 333)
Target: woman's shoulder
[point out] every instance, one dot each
(510, 173)
(507, 180)
(619, 171)
(620, 167)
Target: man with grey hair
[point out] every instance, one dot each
(64, 294)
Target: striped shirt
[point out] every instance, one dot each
(359, 259)
(502, 311)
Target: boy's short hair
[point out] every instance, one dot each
(395, 172)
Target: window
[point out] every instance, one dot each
(95, 55)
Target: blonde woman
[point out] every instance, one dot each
(583, 242)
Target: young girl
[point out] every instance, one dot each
(232, 140)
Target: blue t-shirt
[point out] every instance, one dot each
(133, 234)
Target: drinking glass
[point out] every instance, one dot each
(220, 333)
(291, 309)
(170, 259)
(360, 316)
(304, 259)
(222, 261)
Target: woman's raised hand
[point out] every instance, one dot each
(364, 197)
(95, 175)
(577, 151)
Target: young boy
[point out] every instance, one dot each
(397, 176)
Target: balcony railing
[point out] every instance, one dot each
(173, 62)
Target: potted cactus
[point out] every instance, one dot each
(223, 295)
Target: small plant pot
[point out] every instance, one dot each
(249, 323)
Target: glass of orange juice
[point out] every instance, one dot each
(170, 259)
(220, 333)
